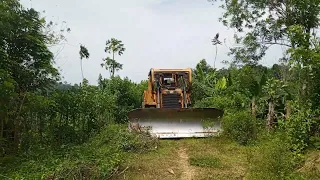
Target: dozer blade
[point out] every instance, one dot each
(177, 123)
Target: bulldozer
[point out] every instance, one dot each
(166, 110)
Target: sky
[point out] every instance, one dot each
(155, 33)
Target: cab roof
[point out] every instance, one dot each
(169, 70)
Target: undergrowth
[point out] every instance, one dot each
(99, 158)
(272, 159)
(240, 126)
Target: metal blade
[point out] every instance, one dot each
(177, 123)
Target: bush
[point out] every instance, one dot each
(240, 126)
(298, 128)
(99, 158)
(272, 159)
(105, 153)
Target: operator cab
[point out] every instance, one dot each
(168, 81)
(171, 79)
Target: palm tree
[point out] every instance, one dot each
(113, 46)
(84, 53)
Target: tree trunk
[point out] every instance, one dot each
(253, 107)
(3, 119)
(18, 122)
(41, 124)
(270, 119)
(113, 62)
(288, 110)
(17, 132)
(2, 126)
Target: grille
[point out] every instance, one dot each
(171, 101)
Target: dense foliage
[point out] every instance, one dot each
(54, 129)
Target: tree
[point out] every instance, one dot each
(215, 41)
(268, 23)
(111, 65)
(84, 53)
(113, 46)
(25, 57)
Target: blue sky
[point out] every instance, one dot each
(156, 33)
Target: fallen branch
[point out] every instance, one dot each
(124, 170)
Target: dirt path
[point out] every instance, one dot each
(211, 159)
(187, 171)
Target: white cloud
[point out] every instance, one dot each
(156, 33)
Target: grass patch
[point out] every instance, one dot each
(212, 162)
(217, 158)
(154, 164)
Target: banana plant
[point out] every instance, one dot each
(274, 90)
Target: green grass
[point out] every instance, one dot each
(217, 158)
(212, 162)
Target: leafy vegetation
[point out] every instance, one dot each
(54, 130)
(241, 127)
(100, 157)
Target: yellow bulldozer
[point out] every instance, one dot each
(166, 108)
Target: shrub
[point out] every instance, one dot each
(298, 128)
(240, 126)
(99, 158)
(272, 159)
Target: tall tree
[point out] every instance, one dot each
(25, 56)
(84, 53)
(113, 47)
(290, 24)
(215, 41)
(267, 23)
